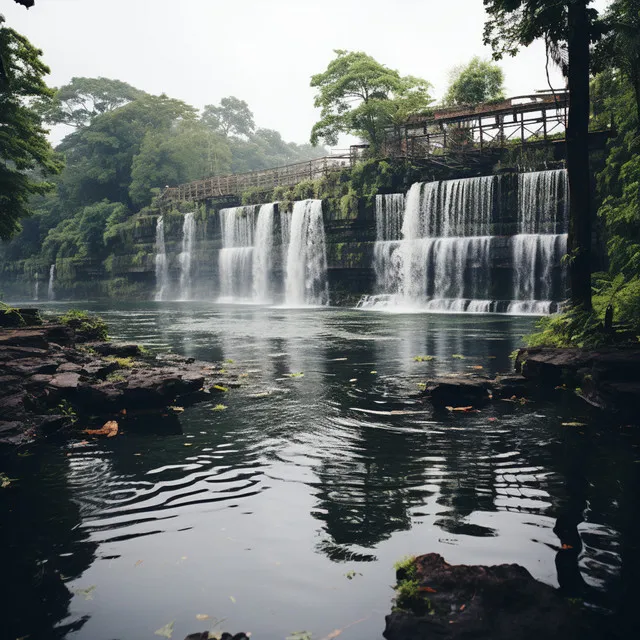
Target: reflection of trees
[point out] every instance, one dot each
(41, 546)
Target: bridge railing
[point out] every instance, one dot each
(235, 184)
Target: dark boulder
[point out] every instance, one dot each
(511, 385)
(457, 392)
(500, 602)
(116, 349)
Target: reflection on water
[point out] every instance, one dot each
(257, 513)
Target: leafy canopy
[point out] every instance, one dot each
(358, 95)
(231, 117)
(477, 82)
(26, 157)
(81, 100)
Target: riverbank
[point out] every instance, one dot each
(56, 379)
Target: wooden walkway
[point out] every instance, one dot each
(452, 137)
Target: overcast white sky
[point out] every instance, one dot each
(263, 51)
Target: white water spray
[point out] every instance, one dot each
(263, 254)
(51, 293)
(185, 257)
(306, 278)
(162, 265)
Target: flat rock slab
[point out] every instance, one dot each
(456, 392)
(501, 602)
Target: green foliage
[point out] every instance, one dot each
(77, 103)
(26, 157)
(477, 82)
(358, 95)
(86, 326)
(231, 117)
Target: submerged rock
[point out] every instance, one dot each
(454, 392)
(500, 602)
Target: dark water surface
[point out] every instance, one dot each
(288, 510)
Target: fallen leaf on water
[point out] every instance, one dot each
(202, 616)
(462, 608)
(574, 424)
(457, 356)
(423, 358)
(353, 380)
(567, 546)
(188, 444)
(5, 481)
(465, 409)
(300, 635)
(138, 563)
(334, 634)
(219, 407)
(123, 412)
(219, 387)
(109, 429)
(87, 593)
(427, 589)
(477, 366)
(373, 372)
(166, 631)
(232, 599)
(492, 419)
(177, 409)
(297, 374)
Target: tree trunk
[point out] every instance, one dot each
(578, 156)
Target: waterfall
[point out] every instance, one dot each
(306, 271)
(36, 288)
(440, 260)
(162, 266)
(51, 294)
(188, 237)
(263, 254)
(235, 260)
(541, 241)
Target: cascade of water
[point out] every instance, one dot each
(442, 260)
(185, 257)
(263, 254)
(306, 277)
(543, 203)
(51, 294)
(235, 261)
(36, 288)
(162, 265)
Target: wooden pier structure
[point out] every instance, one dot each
(451, 136)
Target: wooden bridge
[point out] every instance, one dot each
(454, 137)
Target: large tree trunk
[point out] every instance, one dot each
(578, 156)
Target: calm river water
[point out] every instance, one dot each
(287, 510)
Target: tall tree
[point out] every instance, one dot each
(231, 117)
(77, 103)
(26, 157)
(358, 95)
(620, 46)
(476, 82)
(515, 23)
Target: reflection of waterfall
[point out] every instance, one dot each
(543, 201)
(306, 279)
(188, 237)
(36, 288)
(263, 254)
(236, 256)
(51, 294)
(442, 262)
(162, 266)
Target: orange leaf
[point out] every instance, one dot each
(427, 589)
(470, 408)
(567, 546)
(109, 429)
(462, 608)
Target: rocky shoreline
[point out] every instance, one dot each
(54, 378)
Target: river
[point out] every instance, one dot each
(287, 510)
